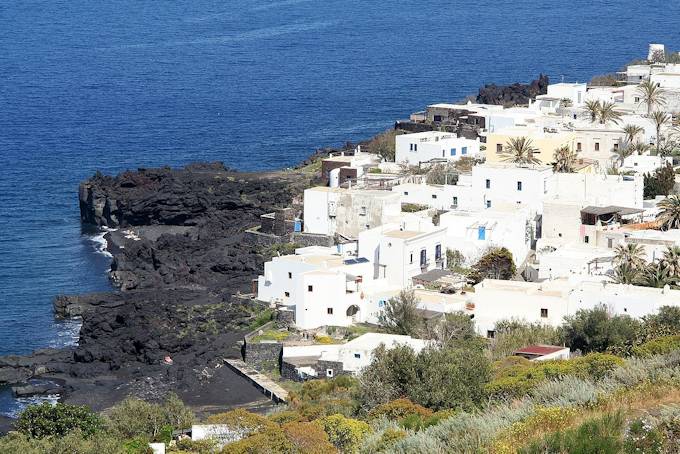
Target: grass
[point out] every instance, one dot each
(354, 331)
(271, 335)
(262, 318)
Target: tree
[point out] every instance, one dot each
(592, 109)
(453, 327)
(671, 261)
(595, 330)
(623, 151)
(511, 335)
(625, 273)
(565, 159)
(651, 94)
(47, 420)
(669, 214)
(497, 263)
(632, 131)
(520, 151)
(661, 183)
(134, 417)
(400, 314)
(308, 437)
(656, 276)
(659, 119)
(630, 254)
(607, 112)
(384, 145)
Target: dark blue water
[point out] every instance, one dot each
(87, 85)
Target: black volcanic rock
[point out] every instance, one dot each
(514, 94)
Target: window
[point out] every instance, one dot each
(434, 196)
(453, 151)
(610, 243)
(586, 239)
(411, 147)
(488, 203)
(637, 99)
(490, 334)
(499, 148)
(455, 202)
(362, 212)
(488, 184)
(544, 313)
(438, 252)
(616, 146)
(437, 118)
(597, 146)
(286, 294)
(411, 260)
(423, 257)
(578, 146)
(290, 275)
(443, 153)
(481, 233)
(405, 192)
(519, 185)
(357, 355)
(463, 150)
(329, 373)
(310, 288)
(415, 147)
(329, 310)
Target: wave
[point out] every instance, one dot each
(272, 5)
(260, 33)
(230, 14)
(100, 243)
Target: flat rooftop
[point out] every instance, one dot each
(403, 234)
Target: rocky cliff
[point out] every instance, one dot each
(179, 256)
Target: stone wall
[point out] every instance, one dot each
(262, 356)
(312, 239)
(288, 372)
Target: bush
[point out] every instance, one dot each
(595, 330)
(46, 420)
(388, 439)
(346, 434)
(398, 409)
(497, 263)
(75, 442)
(512, 335)
(242, 421)
(401, 316)
(136, 418)
(602, 436)
(658, 346)
(308, 437)
(270, 441)
(642, 437)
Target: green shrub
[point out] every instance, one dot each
(643, 437)
(398, 409)
(242, 421)
(206, 446)
(601, 436)
(389, 438)
(346, 434)
(136, 418)
(658, 346)
(45, 420)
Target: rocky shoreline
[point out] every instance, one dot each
(179, 257)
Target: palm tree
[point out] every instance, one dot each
(624, 150)
(565, 159)
(655, 275)
(592, 108)
(607, 113)
(630, 254)
(520, 150)
(671, 261)
(632, 131)
(659, 118)
(651, 94)
(625, 274)
(669, 216)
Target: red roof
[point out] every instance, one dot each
(539, 349)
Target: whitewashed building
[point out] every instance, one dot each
(429, 146)
(346, 212)
(399, 254)
(441, 197)
(509, 185)
(644, 163)
(473, 232)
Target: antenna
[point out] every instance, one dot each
(562, 78)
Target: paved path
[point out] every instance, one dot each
(261, 381)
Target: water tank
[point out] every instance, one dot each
(334, 178)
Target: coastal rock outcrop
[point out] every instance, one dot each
(179, 256)
(514, 94)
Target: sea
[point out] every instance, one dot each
(88, 85)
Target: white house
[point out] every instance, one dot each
(347, 212)
(574, 259)
(549, 302)
(398, 254)
(429, 146)
(441, 197)
(349, 358)
(644, 163)
(598, 189)
(473, 232)
(575, 92)
(323, 287)
(509, 185)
